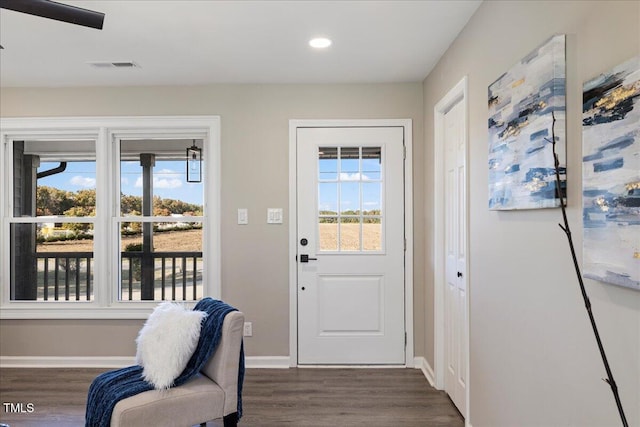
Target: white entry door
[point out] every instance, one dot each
(455, 250)
(350, 245)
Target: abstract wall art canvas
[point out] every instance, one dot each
(611, 176)
(522, 104)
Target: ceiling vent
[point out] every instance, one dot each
(115, 64)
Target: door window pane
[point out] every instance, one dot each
(349, 163)
(371, 163)
(350, 199)
(350, 234)
(328, 233)
(371, 200)
(371, 234)
(327, 163)
(328, 198)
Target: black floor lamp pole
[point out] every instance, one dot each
(587, 303)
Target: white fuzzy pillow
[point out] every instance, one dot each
(166, 342)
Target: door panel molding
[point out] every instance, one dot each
(293, 225)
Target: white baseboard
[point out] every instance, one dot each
(268, 362)
(66, 362)
(422, 364)
(115, 362)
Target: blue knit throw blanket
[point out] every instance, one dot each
(111, 387)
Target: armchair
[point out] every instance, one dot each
(211, 395)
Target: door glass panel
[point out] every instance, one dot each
(328, 233)
(327, 163)
(350, 234)
(349, 163)
(371, 201)
(371, 234)
(350, 199)
(328, 198)
(371, 163)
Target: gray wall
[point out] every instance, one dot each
(533, 357)
(255, 145)
(534, 360)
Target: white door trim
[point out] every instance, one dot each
(459, 93)
(408, 218)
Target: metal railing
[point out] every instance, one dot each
(64, 275)
(176, 276)
(68, 276)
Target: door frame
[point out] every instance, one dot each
(406, 124)
(459, 93)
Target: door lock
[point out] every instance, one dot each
(305, 258)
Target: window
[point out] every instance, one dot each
(350, 199)
(100, 223)
(52, 227)
(160, 222)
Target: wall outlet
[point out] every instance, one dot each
(248, 329)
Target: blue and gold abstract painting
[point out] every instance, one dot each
(611, 176)
(522, 104)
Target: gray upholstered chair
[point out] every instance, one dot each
(209, 396)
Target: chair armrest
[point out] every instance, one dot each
(223, 366)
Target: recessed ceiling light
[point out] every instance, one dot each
(320, 43)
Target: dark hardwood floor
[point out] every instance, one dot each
(272, 397)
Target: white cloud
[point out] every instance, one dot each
(166, 183)
(83, 181)
(356, 176)
(164, 178)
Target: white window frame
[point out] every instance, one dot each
(105, 131)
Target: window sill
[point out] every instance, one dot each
(136, 310)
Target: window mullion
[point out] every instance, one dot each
(102, 243)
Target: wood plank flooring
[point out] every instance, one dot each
(272, 397)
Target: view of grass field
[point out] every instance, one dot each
(350, 237)
(167, 241)
(191, 240)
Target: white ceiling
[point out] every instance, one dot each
(200, 42)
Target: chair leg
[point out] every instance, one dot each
(231, 420)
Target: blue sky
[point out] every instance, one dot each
(349, 181)
(169, 179)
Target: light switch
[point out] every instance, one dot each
(243, 216)
(274, 216)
